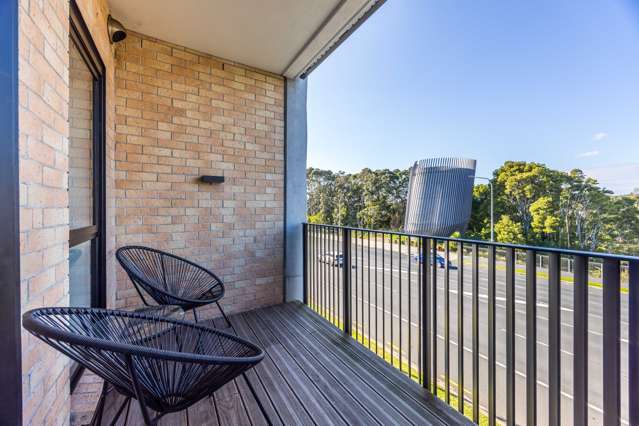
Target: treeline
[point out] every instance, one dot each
(373, 199)
(533, 205)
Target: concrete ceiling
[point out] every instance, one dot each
(286, 37)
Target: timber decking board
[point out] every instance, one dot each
(312, 374)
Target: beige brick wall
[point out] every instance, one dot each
(181, 114)
(44, 231)
(44, 167)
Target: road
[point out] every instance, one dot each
(386, 282)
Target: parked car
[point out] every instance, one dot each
(441, 262)
(334, 259)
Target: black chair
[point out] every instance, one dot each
(169, 279)
(166, 364)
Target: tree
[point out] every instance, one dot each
(533, 205)
(509, 231)
(545, 218)
(479, 224)
(518, 185)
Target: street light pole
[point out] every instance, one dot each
(492, 205)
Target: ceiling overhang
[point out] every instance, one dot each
(284, 37)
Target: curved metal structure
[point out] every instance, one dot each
(440, 196)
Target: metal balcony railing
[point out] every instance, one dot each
(487, 327)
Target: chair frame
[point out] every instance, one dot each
(49, 334)
(141, 283)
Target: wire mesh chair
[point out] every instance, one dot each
(166, 364)
(169, 279)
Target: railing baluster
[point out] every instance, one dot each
(420, 314)
(336, 250)
(491, 337)
(426, 309)
(460, 327)
(357, 272)
(554, 338)
(433, 313)
(368, 266)
(531, 337)
(362, 294)
(399, 268)
(410, 305)
(333, 270)
(447, 320)
(384, 293)
(580, 341)
(633, 340)
(392, 339)
(475, 335)
(376, 300)
(510, 336)
(611, 343)
(305, 263)
(347, 302)
(316, 266)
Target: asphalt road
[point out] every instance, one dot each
(386, 309)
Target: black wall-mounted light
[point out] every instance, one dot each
(212, 179)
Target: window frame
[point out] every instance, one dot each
(96, 233)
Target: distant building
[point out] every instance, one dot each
(440, 196)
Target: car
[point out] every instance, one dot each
(441, 262)
(333, 259)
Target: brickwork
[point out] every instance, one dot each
(172, 115)
(44, 232)
(44, 201)
(181, 114)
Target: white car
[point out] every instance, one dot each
(334, 259)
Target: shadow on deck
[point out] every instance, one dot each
(312, 374)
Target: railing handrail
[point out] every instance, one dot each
(523, 247)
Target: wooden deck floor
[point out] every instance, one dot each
(312, 374)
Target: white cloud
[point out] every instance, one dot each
(599, 136)
(593, 153)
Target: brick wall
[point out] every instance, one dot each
(181, 114)
(44, 167)
(44, 231)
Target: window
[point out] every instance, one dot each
(87, 279)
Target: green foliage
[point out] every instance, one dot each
(373, 199)
(509, 231)
(533, 205)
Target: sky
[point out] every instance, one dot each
(551, 81)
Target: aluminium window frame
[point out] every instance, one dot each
(96, 233)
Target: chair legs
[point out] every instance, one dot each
(224, 315)
(221, 310)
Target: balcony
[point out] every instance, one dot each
(548, 336)
(312, 374)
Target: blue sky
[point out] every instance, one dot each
(552, 81)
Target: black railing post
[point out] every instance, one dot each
(554, 339)
(510, 335)
(531, 337)
(305, 263)
(423, 256)
(580, 341)
(460, 327)
(633, 340)
(346, 270)
(475, 334)
(492, 352)
(611, 343)
(433, 317)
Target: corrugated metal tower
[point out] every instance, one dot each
(440, 196)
